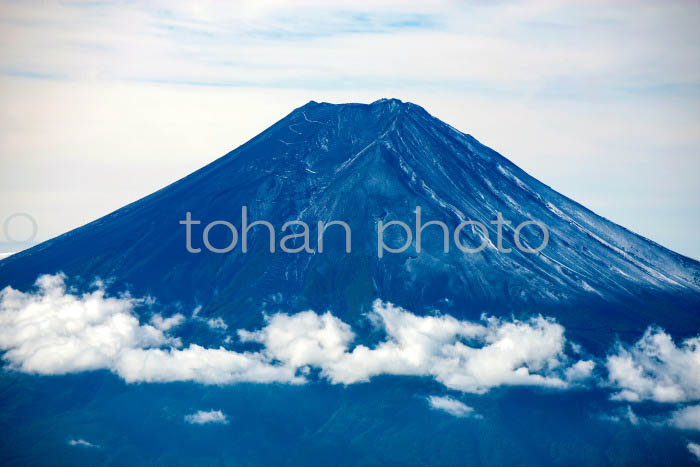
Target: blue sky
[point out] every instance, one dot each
(105, 102)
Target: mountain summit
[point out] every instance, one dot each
(361, 164)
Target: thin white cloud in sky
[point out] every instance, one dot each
(596, 99)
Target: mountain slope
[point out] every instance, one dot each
(361, 164)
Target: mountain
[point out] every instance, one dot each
(362, 164)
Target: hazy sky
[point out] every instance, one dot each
(102, 103)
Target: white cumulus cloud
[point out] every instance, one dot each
(165, 324)
(54, 331)
(450, 405)
(687, 418)
(580, 371)
(202, 417)
(202, 365)
(462, 355)
(217, 323)
(303, 339)
(654, 368)
(694, 449)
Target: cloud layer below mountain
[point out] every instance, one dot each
(55, 330)
(463, 355)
